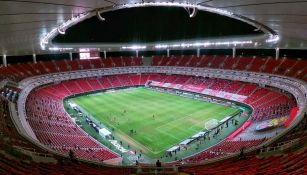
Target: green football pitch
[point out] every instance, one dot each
(160, 120)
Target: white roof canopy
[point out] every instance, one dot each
(24, 23)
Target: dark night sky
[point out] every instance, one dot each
(153, 24)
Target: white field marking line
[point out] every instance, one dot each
(135, 141)
(189, 115)
(123, 133)
(163, 132)
(181, 118)
(191, 127)
(162, 149)
(184, 130)
(177, 120)
(206, 120)
(155, 152)
(158, 145)
(173, 137)
(140, 145)
(194, 125)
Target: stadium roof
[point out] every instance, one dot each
(23, 23)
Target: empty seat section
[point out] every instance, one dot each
(181, 79)
(205, 60)
(229, 62)
(283, 68)
(144, 78)
(292, 163)
(104, 81)
(117, 61)
(85, 64)
(83, 84)
(257, 63)
(256, 95)
(207, 83)
(17, 75)
(184, 60)
(73, 65)
(135, 79)
(157, 77)
(62, 65)
(271, 65)
(243, 63)
(223, 149)
(52, 127)
(128, 61)
(96, 63)
(297, 68)
(164, 61)
(156, 60)
(196, 81)
(219, 84)
(25, 69)
(107, 62)
(247, 89)
(125, 80)
(194, 61)
(137, 61)
(173, 61)
(170, 78)
(61, 89)
(93, 82)
(53, 93)
(29, 67)
(50, 66)
(72, 86)
(217, 61)
(114, 81)
(233, 87)
(40, 67)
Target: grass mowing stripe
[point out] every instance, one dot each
(175, 118)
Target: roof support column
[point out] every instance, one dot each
(34, 58)
(167, 52)
(233, 52)
(137, 53)
(4, 60)
(198, 52)
(104, 54)
(70, 56)
(276, 53)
